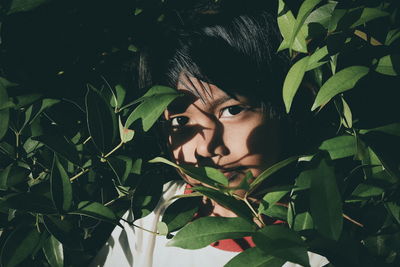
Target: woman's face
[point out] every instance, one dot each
(231, 134)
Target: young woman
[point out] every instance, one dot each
(230, 117)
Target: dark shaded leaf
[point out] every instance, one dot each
(25, 5)
(62, 146)
(64, 231)
(325, 201)
(179, 213)
(254, 257)
(283, 243)
(101, 120)
(61, 188)
(30, 202)
(205, 175)
(13, 175)
(53, 250)
(19, 245)
(206, 230)
(4, 112)
(366, 190)
(121, 166)
(231, 203)
(96, 210)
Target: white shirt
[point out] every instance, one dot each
(135, 247)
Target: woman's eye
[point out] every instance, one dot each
(231, 111)
(179, 121)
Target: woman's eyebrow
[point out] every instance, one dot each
(219, 101)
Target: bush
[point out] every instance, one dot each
(71, 166)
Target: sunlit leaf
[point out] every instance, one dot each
(365, 190)
(342, 81)
(162, 228)
(19, 245)
(155, 101)
(347, 119)
(293, 80)
(282, 242)
(95, 210)
(322, 15)
(325, 200)
(101, 120)
(61, 188)
(237, 206)
(385, 66)
(317, 58)
(254, 257)
(207, 175)
(125, 134)
(367, 15)
(286, 21)
(25, 5)
(204, 231)
(53, 250)
(305, 9)
(340, 146)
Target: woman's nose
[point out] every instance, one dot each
(210, 141)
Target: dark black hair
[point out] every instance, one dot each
(237, 54)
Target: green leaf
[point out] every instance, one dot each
(121, 166)
(125, 134)
(301, 221)
(325, 201)
(64, 231)
(33, 111)
(293, 80)
(121, 93)
(30, 202)
(204, 231)
(271, 170)
(19, 245)
(366, 190)
(101, 120)
(155, 101)
(322, 15)
(179, 213)
(62, 146)
(271, 198)
(95, 210)
(25, 100)
(53, 250)
(286, 21)
(4, 112)
(394, 210)
(392, 36)
(13, 175)
(347, 119)
(61, 188)
(207, 175)
(24, 5)
(316, 59)
(385, 66)
(282, 242)
(340, 146)
(254, 257)
(342, 81)
(367, 15)
(305, 9)
(231, 203)
(162, 228)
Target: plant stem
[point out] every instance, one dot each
(114, 149)
(256, 215)
(79, 174)
(144, 229)
(352, 220)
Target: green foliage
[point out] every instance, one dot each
(69, 169)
